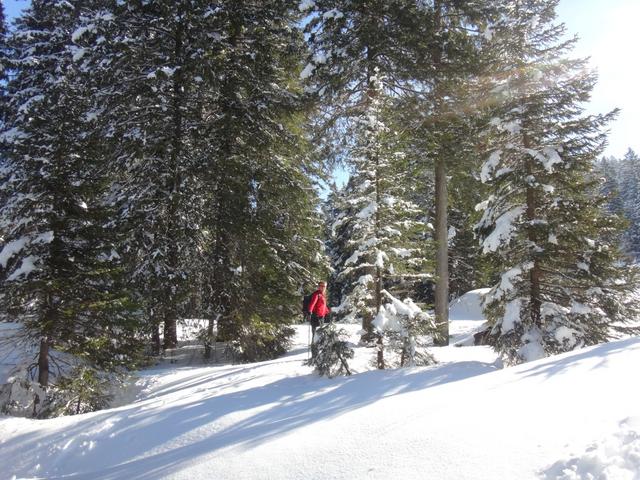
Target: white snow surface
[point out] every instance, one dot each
(468, 306)
(571, 417)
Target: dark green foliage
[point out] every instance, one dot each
(226, 228)
(84, 390)
(257, 341)
(60, 274)
(330, 351)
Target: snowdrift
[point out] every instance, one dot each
(565, 417)
(468, 306)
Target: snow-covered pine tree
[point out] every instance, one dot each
(407, 332)
(203, 111)
(3, 67)
(562, 285)
(57, 274)
(3, 102)
(357, 60)
(154, 68)
(261, 204)
(381, 231)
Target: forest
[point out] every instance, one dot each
(170, 160)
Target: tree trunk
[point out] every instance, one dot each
(209, 340)
(442, 256)
(535, 273)
(170, 320)
(170, 329)
(155, 339)
(43, 363)
(227, 194)
(380, 358)
(442, 241)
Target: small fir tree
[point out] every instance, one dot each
(407, 331)
(330, 351)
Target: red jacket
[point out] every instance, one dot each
(318, 304)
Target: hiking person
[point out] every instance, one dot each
(318, 307)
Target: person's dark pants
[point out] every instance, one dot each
(316, 321)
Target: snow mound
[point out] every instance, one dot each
(617, 457)
(468, 306)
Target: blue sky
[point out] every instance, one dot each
(608, 32)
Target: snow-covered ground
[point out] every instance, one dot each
(574, 416)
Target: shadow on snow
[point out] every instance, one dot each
(290, 403)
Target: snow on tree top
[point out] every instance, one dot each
(503, 230)
(306, 5)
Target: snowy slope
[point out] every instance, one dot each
(466, 317)
(461, 419)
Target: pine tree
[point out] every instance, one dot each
(222, 194)
(331, 351)
(609, 171)
(384, 235)
(562, 286)
(449, 57)
(3, 67)
(262, 207)
(57, 270)
(4, 171)
(358, 59)
(154, 67)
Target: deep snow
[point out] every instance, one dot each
(565, 417)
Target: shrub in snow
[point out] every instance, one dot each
(330, 351)
(21, 397)
(406, 331)
(258, 340)
(81, 389)
(85, 390)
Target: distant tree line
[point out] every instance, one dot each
(622, 188)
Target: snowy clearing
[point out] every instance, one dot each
(570, 417)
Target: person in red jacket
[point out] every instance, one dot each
(318, 307)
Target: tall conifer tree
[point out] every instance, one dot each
(358, 57)
(562, 286)
(380, 232)
(57, 270)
